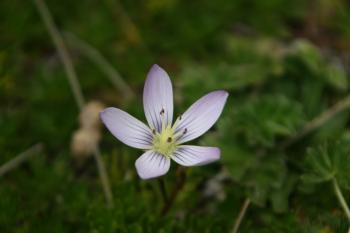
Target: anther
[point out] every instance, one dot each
(162, 111)
(169, 139)
(154, 131)
(185, 131)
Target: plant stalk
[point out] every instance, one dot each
(341, 198)
(62, 51)
(95, 56)
(181, 180)
(163, 190)
(75, 87)
(241, 215)
(318, 122)
(19, 159)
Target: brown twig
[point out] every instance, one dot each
(75, 86)
(181, 179)
(19, 159)
(241, 215)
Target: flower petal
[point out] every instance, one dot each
(157, 98)
(201, 116)
(152, 164)
(127, 128)
(195, 155)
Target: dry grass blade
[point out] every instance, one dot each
(318, 122)
(75, 86)
(19, 159)
(96, 57)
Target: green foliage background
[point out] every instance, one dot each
(283, 62)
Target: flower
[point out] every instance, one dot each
(162, 140)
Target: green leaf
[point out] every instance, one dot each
(336, 76)
(262, 121)
(266, 176)
(328, 161)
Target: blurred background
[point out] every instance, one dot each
(283, 62)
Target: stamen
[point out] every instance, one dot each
(163, 141)
(154, 131)
(162, 116)
(177, 121)
(180, 134)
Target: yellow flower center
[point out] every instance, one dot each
(164, 141)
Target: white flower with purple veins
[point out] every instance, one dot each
(162, 140)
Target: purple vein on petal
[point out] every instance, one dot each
(150, 168)
(158, 95)
(195, 155)
(201, 116)
(126, 128)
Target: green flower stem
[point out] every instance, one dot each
(181, 180)
(163, 190)
(341, 198)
